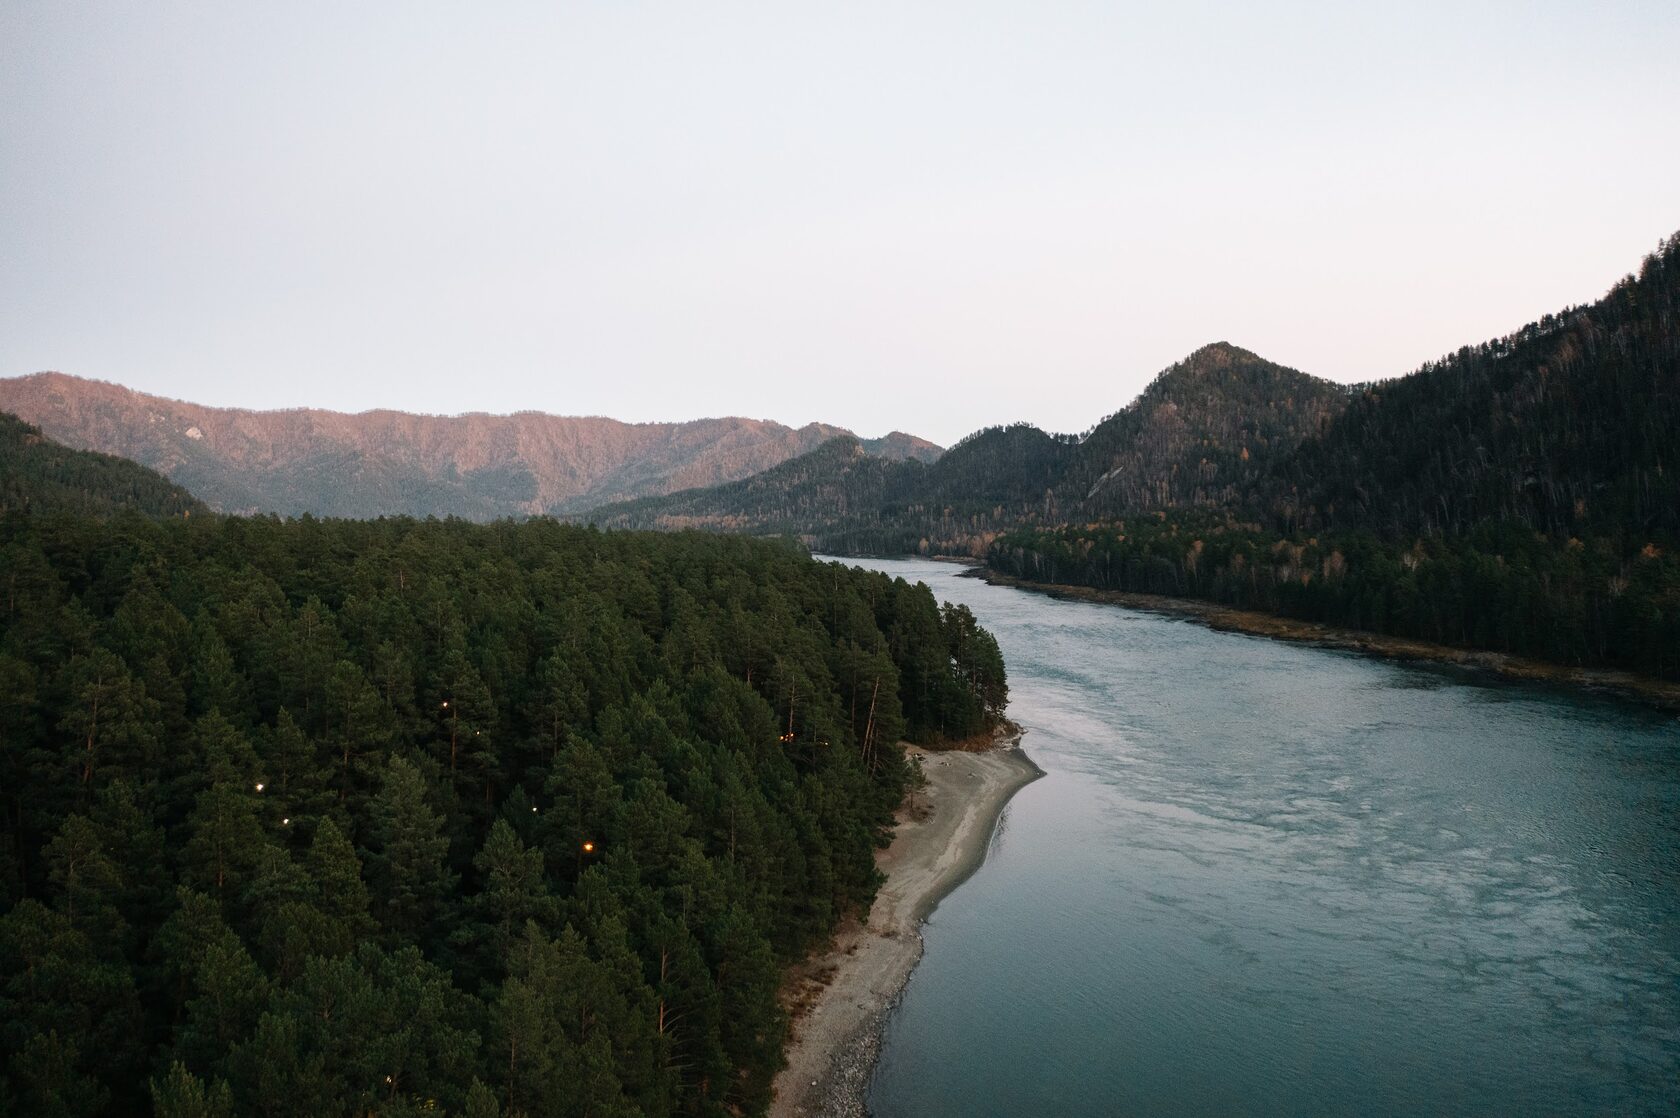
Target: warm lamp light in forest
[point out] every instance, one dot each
(589, 848)
(259, 786)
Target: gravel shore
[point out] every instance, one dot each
(942, 836)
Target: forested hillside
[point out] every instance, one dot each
(1570, 425)
(396, 817)
(1203, 434)
(994, 478)
(838, 483)
(1499, 586)
(842, 498)
(39, 475)
(1521, 496)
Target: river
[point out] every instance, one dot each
(1263, 878)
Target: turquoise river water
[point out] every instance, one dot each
(1271, 879)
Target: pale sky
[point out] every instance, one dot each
(924, 216)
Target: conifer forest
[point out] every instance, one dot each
(425, 817)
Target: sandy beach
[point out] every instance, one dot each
(942, 836)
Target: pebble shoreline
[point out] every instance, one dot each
(928, 873)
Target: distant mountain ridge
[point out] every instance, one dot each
(375, 463)
(842, 497)
(1202, 433)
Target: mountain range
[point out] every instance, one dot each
(1568, 426)
(475, 466)
(1201, 434)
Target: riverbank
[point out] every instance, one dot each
(1659, 692)
(841, 998)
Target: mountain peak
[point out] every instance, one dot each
(1200, 433)
(1230, 370)
(1220, 353)
(1217, 357)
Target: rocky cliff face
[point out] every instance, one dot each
(388, 462)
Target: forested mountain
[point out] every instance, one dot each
(401, 818)
(1520, 495)
(1202, 435)
(803, 496)
(992, 479)
(39, 475)
(841, 497)
(393, 463)
(1570, 425)
(1017, 467)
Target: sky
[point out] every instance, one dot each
(924, 216)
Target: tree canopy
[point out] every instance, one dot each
(400, 817)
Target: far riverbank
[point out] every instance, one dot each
(1659, 692)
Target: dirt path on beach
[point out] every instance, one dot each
(943, 832)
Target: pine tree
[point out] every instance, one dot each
(87, 880)
(111, 726)
(407, 856)
(52, 1081)
(181, 1094)
(513, 891)
(229, 991)
(228, 843)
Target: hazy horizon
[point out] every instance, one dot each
(928, 220)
